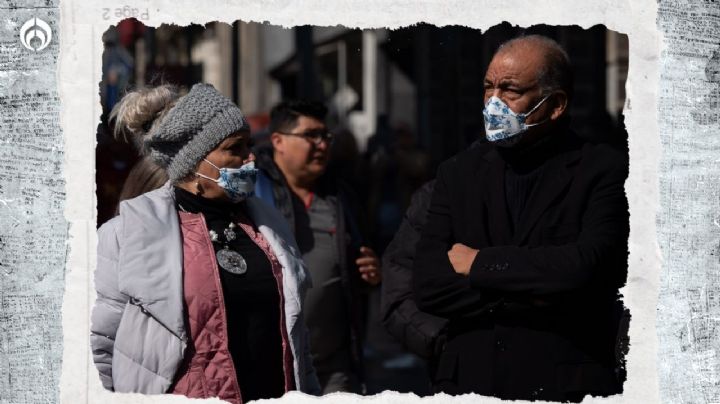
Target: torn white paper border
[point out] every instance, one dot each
(83, 22)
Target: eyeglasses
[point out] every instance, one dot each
(314, 136)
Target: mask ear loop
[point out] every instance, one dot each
(210, 162)
(537, 106)
(533, 110)
(205, 176)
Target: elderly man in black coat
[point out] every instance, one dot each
(525, 244)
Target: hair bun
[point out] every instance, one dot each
(139, 110)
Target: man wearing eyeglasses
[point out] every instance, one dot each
(322, 213)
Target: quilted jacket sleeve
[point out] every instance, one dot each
(400, 315)
(109, 304)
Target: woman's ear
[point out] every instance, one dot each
(560, 103)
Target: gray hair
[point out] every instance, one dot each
(556, 73)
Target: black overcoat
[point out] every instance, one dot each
(537, 317)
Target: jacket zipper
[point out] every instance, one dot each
(135, 302)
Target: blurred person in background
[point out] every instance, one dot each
(421, 333)
(323, 214)
(398, 167)
(145, 176)
(200, 288)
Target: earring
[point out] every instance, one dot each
(198, 189)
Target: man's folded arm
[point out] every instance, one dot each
(563, 268)
(438, 289)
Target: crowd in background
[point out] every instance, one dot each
(377, 180)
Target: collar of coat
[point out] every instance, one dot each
(557, 175)
(151, 259)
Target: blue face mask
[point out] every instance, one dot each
(238, 183)
(502, 125)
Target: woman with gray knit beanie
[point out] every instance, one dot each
(200, 285)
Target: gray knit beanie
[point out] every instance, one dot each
(198, 122)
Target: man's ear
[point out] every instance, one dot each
(559, 104)
(276, 140)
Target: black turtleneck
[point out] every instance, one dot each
(523, 168)
(252, 303)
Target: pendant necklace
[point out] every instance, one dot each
(229, 260)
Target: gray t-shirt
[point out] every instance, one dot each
(325, 308)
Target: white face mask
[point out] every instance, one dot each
(504, 126)
(238, 183)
